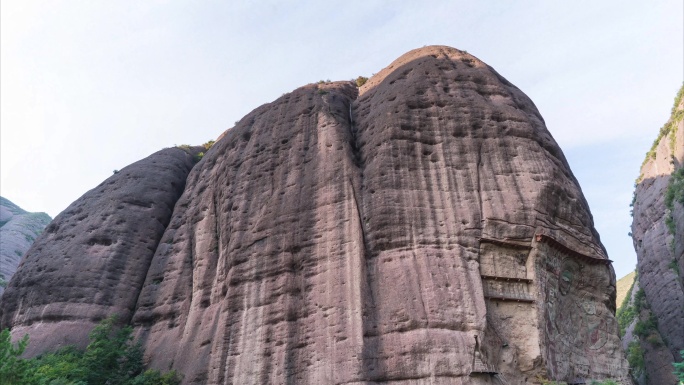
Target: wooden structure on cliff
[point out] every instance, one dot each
(503, 269)
(480, 364)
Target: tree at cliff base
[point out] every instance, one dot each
(111, 358)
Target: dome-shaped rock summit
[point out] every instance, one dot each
(424, 228)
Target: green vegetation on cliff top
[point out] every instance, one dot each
(670, 127)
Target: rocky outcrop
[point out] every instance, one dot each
(91, 261)
(423, 228)
(18, 230)
(658, 235)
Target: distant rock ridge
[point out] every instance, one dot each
(622, 286)
(424, 228)
(18, 230)
(658, 235)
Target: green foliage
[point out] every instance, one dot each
(208, 144)
(361, 80)
(111, 358)
(199, 156)
(605, 382)
(640, 302)
(644, 328)
(153, 377)
(678, 99)
(62, 367)
(3, 281)
(13, 369)
(635, 358)
(651, 154)
(674, 266)
(679, 367)
(627, 312)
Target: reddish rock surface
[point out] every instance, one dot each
(91, 261)
(660, 252)
(423, 229)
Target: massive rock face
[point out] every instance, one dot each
(423, 229)
(660, 248)
(91, 261)
(18, 230)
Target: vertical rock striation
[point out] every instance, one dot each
(658, 235)
(422, 229)
(18, 230)
(426, 230)
(91, 261)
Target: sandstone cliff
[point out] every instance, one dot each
(18, 230)
(91, 261)
(422, 229)
(658, 235)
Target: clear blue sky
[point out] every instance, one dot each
(92, 86)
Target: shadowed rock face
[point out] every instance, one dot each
(423, 229)
(660, 252)
(18, 230)
(91, 261)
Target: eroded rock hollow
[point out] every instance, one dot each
(424, 228)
